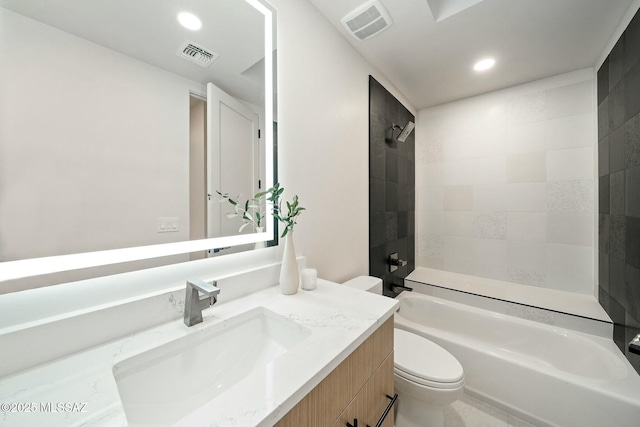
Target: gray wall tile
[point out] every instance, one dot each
(617, 193)
(617, 237)
(570, 196)
(632, 199)
(617, 150)
(603, 157)
(490, 225)
(632, 141)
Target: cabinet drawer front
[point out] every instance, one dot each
(369, 405)
(322, 406)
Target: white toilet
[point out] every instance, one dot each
(427, 377)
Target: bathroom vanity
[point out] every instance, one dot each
(360, 388)
(314, 358)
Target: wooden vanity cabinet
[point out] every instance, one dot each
(356, 389)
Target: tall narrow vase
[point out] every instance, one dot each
(289, 276)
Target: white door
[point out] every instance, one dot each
(232, 153)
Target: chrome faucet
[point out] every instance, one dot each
(193, 304)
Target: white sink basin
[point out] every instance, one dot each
(165, 384)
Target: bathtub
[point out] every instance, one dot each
(547, 375)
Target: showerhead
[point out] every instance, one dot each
(405, 131)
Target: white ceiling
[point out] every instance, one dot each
(148, 30)
(431, 62)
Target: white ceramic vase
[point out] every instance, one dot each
(289, 276)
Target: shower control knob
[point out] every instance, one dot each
(395, 262)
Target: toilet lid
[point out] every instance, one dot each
(421, 358)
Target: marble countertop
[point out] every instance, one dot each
(80, 390)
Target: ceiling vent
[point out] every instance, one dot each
(367, 20)
(197, 54)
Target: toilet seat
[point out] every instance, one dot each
(424, 362)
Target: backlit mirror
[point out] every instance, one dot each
(118, 124)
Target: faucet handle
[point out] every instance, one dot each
(209, 289)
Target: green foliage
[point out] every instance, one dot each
(294, 209)
(251, 212)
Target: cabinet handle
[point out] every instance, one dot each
(386, 411)
(384, 414)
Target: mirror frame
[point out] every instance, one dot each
(12, 270)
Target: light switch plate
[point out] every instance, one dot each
(169, 224)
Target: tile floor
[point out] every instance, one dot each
(471, 412)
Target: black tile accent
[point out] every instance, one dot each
(617, 105)
(391, 111)
(411, 172)
(403, 199)
(391, 166)
(391, 226)
(616, 193)
(391, 185)
(391, 196)
(616, 64)
(631, 301)
(403, 224)
(619, 187)
(632, 141)
(376, 195)
(616, 311)
(603, 194)
(619, 333)
(604, 228)
(603, 119)
(411, 147)
(603, 270)
(603, 157)
(617, 237)
(617, 151)
(632, 88)
(377, 229)
(411, 223)
(617, 269)
(603, 81)
(378, 265)
(402, 171)
(411, 198)
(632, 194)
(377, 128)
(377, 162)
(604, 299)
(632, 44)
(632, 241)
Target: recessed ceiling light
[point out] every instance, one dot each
(189, 21)
(484, 64)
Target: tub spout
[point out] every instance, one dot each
(634, 345)
(404, 288)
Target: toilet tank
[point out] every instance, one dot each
(366, 283)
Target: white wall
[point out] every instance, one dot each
(79, 124)
(505, 184)
(323, 137)
(323, 100)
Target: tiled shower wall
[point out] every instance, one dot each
(619, 186)
(391, 187)
(505, 184)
